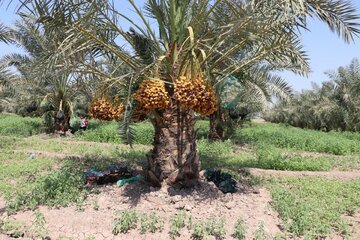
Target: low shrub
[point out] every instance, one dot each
(177, 222)
(240, 229)
(125, 221)
(58, 188)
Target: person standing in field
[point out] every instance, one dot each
(84, 122)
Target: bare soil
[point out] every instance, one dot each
(2, 205)
(201, 202)
(353, 175)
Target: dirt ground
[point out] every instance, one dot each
(203, 201)
(353, 175)
(96, 217)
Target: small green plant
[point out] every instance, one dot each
(143, 223)
(127, 220)
(260, 233)
(18, 229)
(151, 223)
(39, 219)
(96, 205)
(65, 238)
(190, 223)
(39, 224)
(156, 223)
(199, 231)
(90, 238)
(240, 229)
(216, 228)
(209, 227)
(280, 236)
(177, 223)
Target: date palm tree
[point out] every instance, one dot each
(6, 77)
(180, 50)
(244, 94)
(332, 106)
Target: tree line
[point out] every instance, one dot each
(334, 105)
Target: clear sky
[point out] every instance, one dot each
(326, 50)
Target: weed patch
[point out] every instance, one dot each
(58, 188)
(313, 207)
(125, 221)
(151, 223)
(290, 137)
(177, 223)
(240, 229)
(209, 227)
(14, 125)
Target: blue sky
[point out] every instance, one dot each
(326, 50)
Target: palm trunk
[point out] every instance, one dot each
(62, 125)
(174, 157)
(216, 130)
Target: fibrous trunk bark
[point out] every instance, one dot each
(62, 125)
(216, 130)
(174, 157)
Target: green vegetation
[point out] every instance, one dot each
(268, 157)
(260, 233)
(128, 220)
(14, 125)
(100, 131)
(310, 207)
(199, 231)
(337, 143)
(125, 221)
(240, 229)
(315, 207)
(151, 223)
(18, 229)
(182, 60)
(177, 223)
(58, 188)
(209, 227)
(332, 106)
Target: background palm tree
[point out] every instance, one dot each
(246, 93)
(6, 77)
(332, 106)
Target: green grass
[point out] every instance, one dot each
(295, 138)
(315, 207)
(14, 125)
(54, 178)
(17, 171)
(225, 155)
(269, 157)
(107, 132)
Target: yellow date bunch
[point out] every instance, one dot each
(196, 95)
(152, 95)
(104, 109)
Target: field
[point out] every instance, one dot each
(293, 184)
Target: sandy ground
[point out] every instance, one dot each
(204, 201)
(329, 175)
